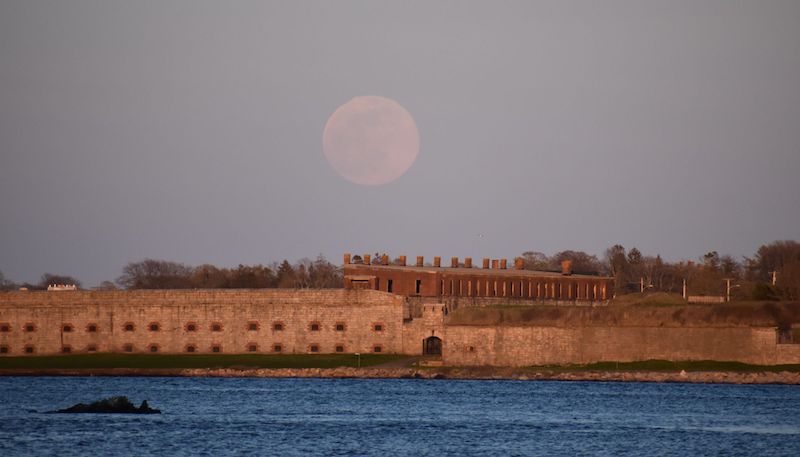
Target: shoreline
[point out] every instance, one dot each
(438, 373)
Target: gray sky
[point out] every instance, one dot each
(192, 131)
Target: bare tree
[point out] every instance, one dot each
(324, 275)
(48, 279)
(534, 260)
(581, 262)
(6, 284)
(106, 285)
(156, 274)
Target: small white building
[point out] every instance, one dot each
(62, 287)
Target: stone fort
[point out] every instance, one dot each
(383, 307)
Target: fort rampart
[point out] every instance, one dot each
(201, 321)
(347, 321)
(524, 346)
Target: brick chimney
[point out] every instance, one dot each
(495, 264)
(467, 262)
(346, 258)
(366, 259)
(402, 260)
(385, 259)
(566, 267)
(420, 260)
(519, 263)
(454, 262)
(503, 264)
(485, 264)
(437, 261)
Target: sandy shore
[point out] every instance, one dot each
(482, 373)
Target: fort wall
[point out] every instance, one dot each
(201, 321)
(347, 321)
(524, 346)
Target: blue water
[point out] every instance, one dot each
(209, 416)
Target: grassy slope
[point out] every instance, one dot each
(657, 309)
(79, 361)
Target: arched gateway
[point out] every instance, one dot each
(432, 346)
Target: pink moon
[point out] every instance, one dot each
(371, 140)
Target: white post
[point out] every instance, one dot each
(684, 289)
(727, 290)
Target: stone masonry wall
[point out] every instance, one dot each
(226, 321)
(244, 321)
(524, 346)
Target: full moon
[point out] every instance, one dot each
(371, 140)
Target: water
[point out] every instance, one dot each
(208, 416)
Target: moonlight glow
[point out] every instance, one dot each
(371, 140)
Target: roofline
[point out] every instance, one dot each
(475, 271)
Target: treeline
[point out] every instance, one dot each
(163, 274)
(773, 272)
(46, 280)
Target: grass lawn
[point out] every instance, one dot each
(77, 361)
(664, 365)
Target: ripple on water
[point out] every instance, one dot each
(210, 416)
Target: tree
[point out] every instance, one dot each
(6, 284)
(156, 274)
(48, 279)
(106, 285)
(534, 260)
(781, 258)
(286, 276)
(788, 281)
(711, 260)
(324, 275)
(301, 276)
(581, 262)
(250, 277)
(730, 267)
(774, 257)
(210, 277)
(634, 256)
(619, 267)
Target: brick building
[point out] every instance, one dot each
(493, 280)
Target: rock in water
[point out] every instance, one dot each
(113, 405)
